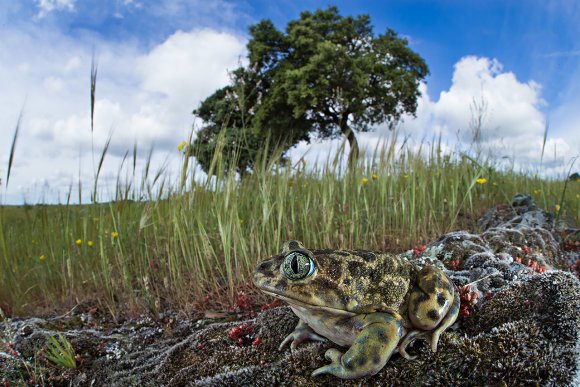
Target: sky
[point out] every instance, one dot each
(157, 60)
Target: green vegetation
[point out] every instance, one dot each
(327, 75)
(59, 351)
(147, 255)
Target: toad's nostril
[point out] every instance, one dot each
(263, 266)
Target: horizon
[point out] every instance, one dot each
(156, 62)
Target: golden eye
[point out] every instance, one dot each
(297, 266)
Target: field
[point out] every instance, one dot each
(195, 243)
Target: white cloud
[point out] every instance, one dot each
(142, 97)
(47, 6)
(508, 105)
(510, 110)
(53, 84)
(184, 69)
(512, 123)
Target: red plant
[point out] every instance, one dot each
(569, 245)
(575, 268)
(241, 334)
(535, 267)
(245, 304)
(418, 250)
(468, 300)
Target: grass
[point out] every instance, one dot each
(59, 351)
(169, 244)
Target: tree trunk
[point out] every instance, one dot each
(351, 137)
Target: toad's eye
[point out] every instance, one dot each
(297, 266)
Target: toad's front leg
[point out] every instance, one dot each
(301, 333)
(370, 351)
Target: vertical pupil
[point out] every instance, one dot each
(294, 264)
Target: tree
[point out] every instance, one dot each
(230, 126)
(327, 75)
(226, 111)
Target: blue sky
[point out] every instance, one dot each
(523, 57)
(535, 39)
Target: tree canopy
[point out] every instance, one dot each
(325, 76)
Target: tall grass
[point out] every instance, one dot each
(164, 243)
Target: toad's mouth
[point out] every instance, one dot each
(303, 304)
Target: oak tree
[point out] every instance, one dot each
(325, 76)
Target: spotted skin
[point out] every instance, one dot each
(373, 303)
(430, 300)
(370, 351)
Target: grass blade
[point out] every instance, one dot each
(100, 166)
(13, 148)
(546, 128)
(561, 202)
(94, 67)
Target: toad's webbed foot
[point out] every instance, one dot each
(301, 333)
(369, 353)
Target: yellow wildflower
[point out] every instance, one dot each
(481, 180)
(114, 234)
(181, 145)
(375, 176)
(42, 258)
(557, 208)
(364, 180)
(537, 191)
(405, 177)
(79, 242)
(494, 184)
(90, 243)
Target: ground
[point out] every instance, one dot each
(519, 324)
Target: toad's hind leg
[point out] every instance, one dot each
(370, 351)
(448, 320)
(432, 336)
